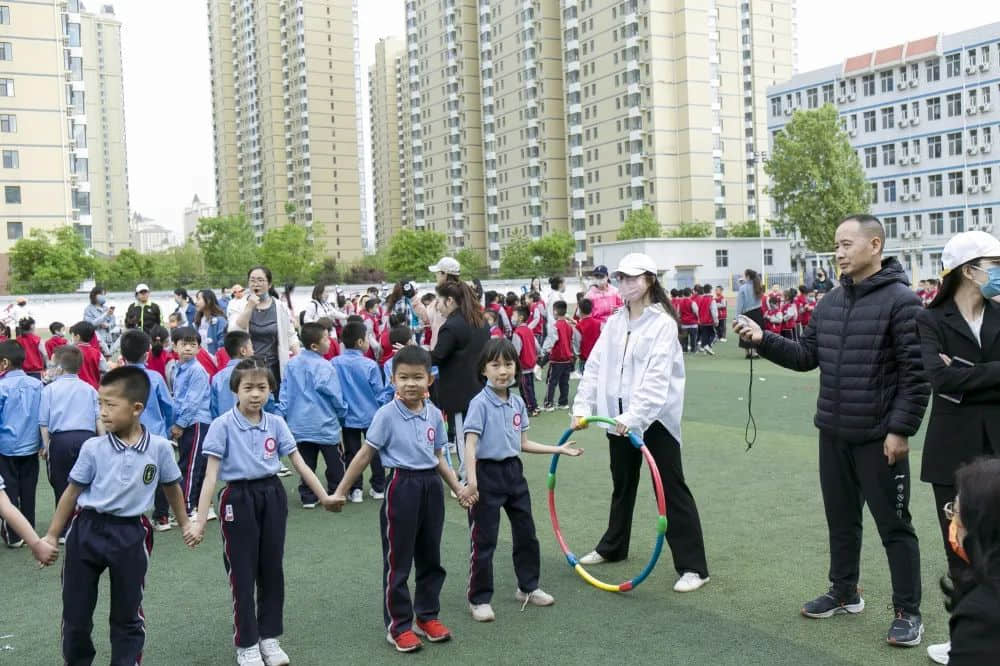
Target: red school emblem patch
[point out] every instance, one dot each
(270, 447)
(431, 435)
(517, 421)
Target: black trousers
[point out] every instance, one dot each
(527, 386)
(720, 329)
(943, 495)
(412, 519)
(64, 449)
(20, 475)
(687, 545)
(851, 475)
(95, 542)
(192, 463)
(559, 373)
(333, 454)
(253, 516)
(706, 335)
(501, 485)
(354, 439)
(690, 339)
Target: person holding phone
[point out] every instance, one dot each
(960, 343)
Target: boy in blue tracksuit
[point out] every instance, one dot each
(158, 414)
(364, 392)
(68, 417)
(312, 404)
(20, 397)
(192, 395)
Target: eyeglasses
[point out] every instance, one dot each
(257, 279)
(950, 510)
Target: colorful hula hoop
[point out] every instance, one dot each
(661, 521)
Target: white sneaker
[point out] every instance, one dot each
(272, 653)
(62, 541)
(593, 557)
(211, 514)
(539, 374)
(16, 544)
(575, 375)
(249, 656)
(284, 471)
(723, 340)
(689, 582)
(939, 653)
(375, 495)
(162, 525)
(708, 350)
(537, 597)
(550, 408)
(482, 612)
(309, 505)
(356, 496)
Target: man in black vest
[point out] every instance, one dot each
(872, 397)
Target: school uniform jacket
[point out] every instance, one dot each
(957, 433)
(456, 355)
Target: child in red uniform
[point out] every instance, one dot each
(789, 315)
(93, 360)
(372, 320)
(773, 317)
(721, 305)
(331, 328)
(57, 340)
(561, 344)
(689, 321)
(492, 321)
(34, 352)
(527, 348)
(707, 318)
(159, 353)
(589, 329)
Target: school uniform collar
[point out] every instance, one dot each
(492, 396)
(309, 353)
(119, 446)
(350, 351)
(66, 376)
(408, 415)
(242, 423)
(140, 364)
(233, 362)
(15, 372)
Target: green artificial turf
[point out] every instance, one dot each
(764, 530)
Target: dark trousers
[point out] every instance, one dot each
(20, 475)
(527, 386)
(691, 338)
(559, 373)
(354, 439)
(720, 329)
(412, 519)
(95, 542)
(64, 449)
(943, 495)
(851, 475)
(253, 515)
(192, 463)
(501, 485)
(687, 545)
(333, 454)
(706, 335)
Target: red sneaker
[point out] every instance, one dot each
(432, 630)
(405, 642)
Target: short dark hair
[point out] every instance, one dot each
(499, 348)
(400, 335)
(355, 319)
(586, 306)
(490, 297)
(84, 330)
(353, 335)
(411, 355)
(524, 312)
(13, 352)
(311, 334)
(559, 308)
(428, 297)
(69, 358)
(371, 304)
(555, 281)
(175, 316)
(134, 344)
(251, 366)
(131, 381)
(869, 224)
(325, 322)
(185, 334)
(25, 325)
(234, 342)
(56, 326)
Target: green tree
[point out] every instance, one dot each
(228, 246)
(640, 224)
(473, 264)
(123, 271)
(554, 253)
(50, 261)
(183, 267)
(748, 229)
(328, 272)
(289, 253)
(411, 252)
(691, 230)
(517, 259)
(816, 177)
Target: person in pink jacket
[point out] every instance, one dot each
(603, 295)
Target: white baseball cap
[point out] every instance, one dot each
(142, 286)
(448, 265)
(964, 247)
(636, 264)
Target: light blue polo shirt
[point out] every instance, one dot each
(158, 415)
(248, 451)
(311, 399)
(119, 479)
(499, 424)
(20, 396)
(68, 403)
(192, 396)
(405, 439)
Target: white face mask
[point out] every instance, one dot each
(631, 290)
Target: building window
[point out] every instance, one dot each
(954, 105)
(937, 224)
(955, 143)
(885, 78)
(933, 70)
(953, 64)
(869, 121)
(889, 191)
(768, 256)
(776, 106)
(868, 85)
(933, 108)
(828, 93)
(812, 98)
(888, 154)
(4, 15)
(955, 182)
(956, 221)
(890, 227)
(6, 51)
(8, 122)
(933, 147)
(934, 185)
(874, 192)
(871, 157)
(14, 231)
(722, 258)
(10, 159)
(888, 118)
(12, 194)
(6, 87)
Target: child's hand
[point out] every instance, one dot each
(194, 533)
(46, 551)
(176, 432)
(334, 503)
(468, 496)
(568, 449)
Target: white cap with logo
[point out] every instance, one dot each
(142, 286)
(964, 247)
(447, 265)
(636, 264)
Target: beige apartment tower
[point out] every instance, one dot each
(286, 94)
(389, 138)
(62, 125)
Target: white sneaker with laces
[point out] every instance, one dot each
(375, 495)
(284, 471)
(537, 597)
(593, 557)
(272, 653)
(482, 612)
(550, 408)
(939, 653)
(708, 350)
(689, 582)
(356, 496)
(309, 505)
(211, 514)
(249, 656)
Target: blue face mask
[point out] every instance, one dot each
(101, 300)
(990, 288)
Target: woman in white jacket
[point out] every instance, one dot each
(635, 375)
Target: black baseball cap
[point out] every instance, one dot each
(601, 270)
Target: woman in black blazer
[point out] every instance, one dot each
(460, 341)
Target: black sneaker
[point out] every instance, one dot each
(833, 603)
(906, 630)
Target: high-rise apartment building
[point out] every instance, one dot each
(390, 116)
(197, 210)
(923, 120)
(62, 124)
(286, 87)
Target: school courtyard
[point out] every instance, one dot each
(765, 536)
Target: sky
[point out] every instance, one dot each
(168, 106)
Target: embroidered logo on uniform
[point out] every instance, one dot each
(148, 474)
(270, 447)
(517, 421)
(431, 434)
(227, 514)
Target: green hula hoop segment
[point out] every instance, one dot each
(661, 521)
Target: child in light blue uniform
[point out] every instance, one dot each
(20, 396)
(495, 433)
(239, 347)
(313, 406)
(110, 487)
(243, 448)
(192, 397)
